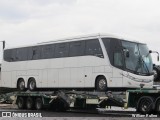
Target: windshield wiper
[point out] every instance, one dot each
(140, 63)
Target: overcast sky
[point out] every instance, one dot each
(25, 22)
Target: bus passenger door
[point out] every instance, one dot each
(117, 61)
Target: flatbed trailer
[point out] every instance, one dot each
(145, 101)
(66, 100)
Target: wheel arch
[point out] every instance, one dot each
(29, 79)
(101, 75)
(21, 78)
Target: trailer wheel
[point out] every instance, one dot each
(32, 84)
(145, 105)
(101, 83)
(38, 104)
(157, 107)
(29, 103)
(20, 102)
(21, 85)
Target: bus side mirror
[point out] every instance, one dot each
(155, 52)
(150, 51)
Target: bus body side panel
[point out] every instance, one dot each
(108, 75)
(64, 77)
(44, 78)
(6, 79)
(131, 80)
(53, 77)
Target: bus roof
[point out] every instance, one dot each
(91, 36)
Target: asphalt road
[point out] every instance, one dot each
(72, 114)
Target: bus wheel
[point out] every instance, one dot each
(145, 105)
(101, 84)
(29, 103)
(157, 108)
(21, 85)
(32, 85)
(38, 104)
(20, 102)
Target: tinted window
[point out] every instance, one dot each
(47, 51)
(34, 53)
(118, 59)
(21, 54)
(14, 55)
(93, 48)
(76, 48)
(62, 50)
(114, 49)
(7, 55)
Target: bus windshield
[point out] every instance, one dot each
(138, 59)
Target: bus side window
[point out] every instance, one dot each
(7, 55)
(118, 60)
(61, 50)
(47, 51)
(34, 53)
(13, 55)
(93, 48)
(76, 48)
(21, 54)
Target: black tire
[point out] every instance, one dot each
(30, 103)
(156, 70)
(21, 85)
(101, 84)
(20, 102)
(32, 85)
(39, 104)
(145, 105)
(157, 107)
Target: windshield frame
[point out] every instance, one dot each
(143, 65)
(116, 54)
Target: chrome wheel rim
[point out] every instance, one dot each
(32, 85)
(144, 108)
(145, 105)
(102, 84)
(21, 86)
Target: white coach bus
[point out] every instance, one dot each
(98, 62)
